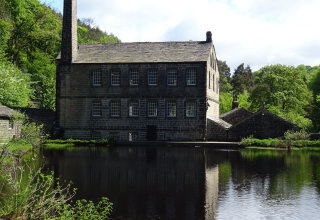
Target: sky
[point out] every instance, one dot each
(254, 32)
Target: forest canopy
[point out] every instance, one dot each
(30, 39)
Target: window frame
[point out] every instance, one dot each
(131, 134)
(112, 74)
(96, 108)
(149, 107)
(170, 102)
(131, 74)
(137, 110)
(195, 109)
(169, 77)
(112, 115)
(96, 81)
(155, 72)
(188, 72)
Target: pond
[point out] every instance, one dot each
(194, 183)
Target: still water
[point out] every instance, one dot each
(195, 183)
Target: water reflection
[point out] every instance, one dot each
(195, 183)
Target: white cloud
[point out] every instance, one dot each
(256, 32)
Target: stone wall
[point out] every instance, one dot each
(262, 124)
(7, 132)
(76, 93)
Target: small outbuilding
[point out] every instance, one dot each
(8, 129)
(240, 123)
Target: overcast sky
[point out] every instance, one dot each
(254, 32)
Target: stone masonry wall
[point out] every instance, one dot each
(76, 93)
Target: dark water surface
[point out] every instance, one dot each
(195, 183)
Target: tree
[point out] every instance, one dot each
(15, 86)
(242, 79)
(284, 92)
(225, 76)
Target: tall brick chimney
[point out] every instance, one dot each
(69, 45)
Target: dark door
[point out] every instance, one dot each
(151, 132)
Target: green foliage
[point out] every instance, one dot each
(15, 86)
(284, 92)
(242, 79)
(296, 135)
(279, 143)
(30, 38)
(225, 77)
(83, 209)
(225, 102)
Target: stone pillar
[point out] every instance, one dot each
(69, 45)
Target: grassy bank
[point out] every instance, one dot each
(71, 143)
(280, 143)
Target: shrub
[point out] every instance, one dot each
(296, 135)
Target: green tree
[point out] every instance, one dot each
(284, 92)
(242, 79)
(15, 86)
(225, 76)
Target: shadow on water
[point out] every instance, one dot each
(193, 183)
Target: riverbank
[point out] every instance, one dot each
(279, 143)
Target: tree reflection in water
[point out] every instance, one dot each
(195, 183)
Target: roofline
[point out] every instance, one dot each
(90, 63)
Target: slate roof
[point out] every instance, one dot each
(220, 122)
(236, 115)
(144, 52)
(6, 111)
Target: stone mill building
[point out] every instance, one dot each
(135, 91)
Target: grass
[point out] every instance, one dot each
(279, 143)
(16, 145)
(73, 143)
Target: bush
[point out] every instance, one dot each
(296, 135)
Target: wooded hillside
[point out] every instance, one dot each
(30, 38)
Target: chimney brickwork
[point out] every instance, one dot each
(69, 45)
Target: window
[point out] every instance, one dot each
(152, 109)
(10, 124)
(115, 78)
(152, 78)
(209, 80)
(171, 109)
(191, 77)
(213, 82)
(133, 109)
(96, 108)
(133, 136)
(172, 78)
(115, 109)
(190, 109)
(134, 78)
(95, 135)
(96, 78)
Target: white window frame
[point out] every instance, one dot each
(133, 136)
(96, 78)
(152, 108)
(134, 77)
(171, 109)
(115, 109)
(133, 109)
(152, 78)
(172, 77)
(115, 78)
(191, 77)
(191, 109)
(96, 108)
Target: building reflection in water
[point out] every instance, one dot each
(144, 182)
